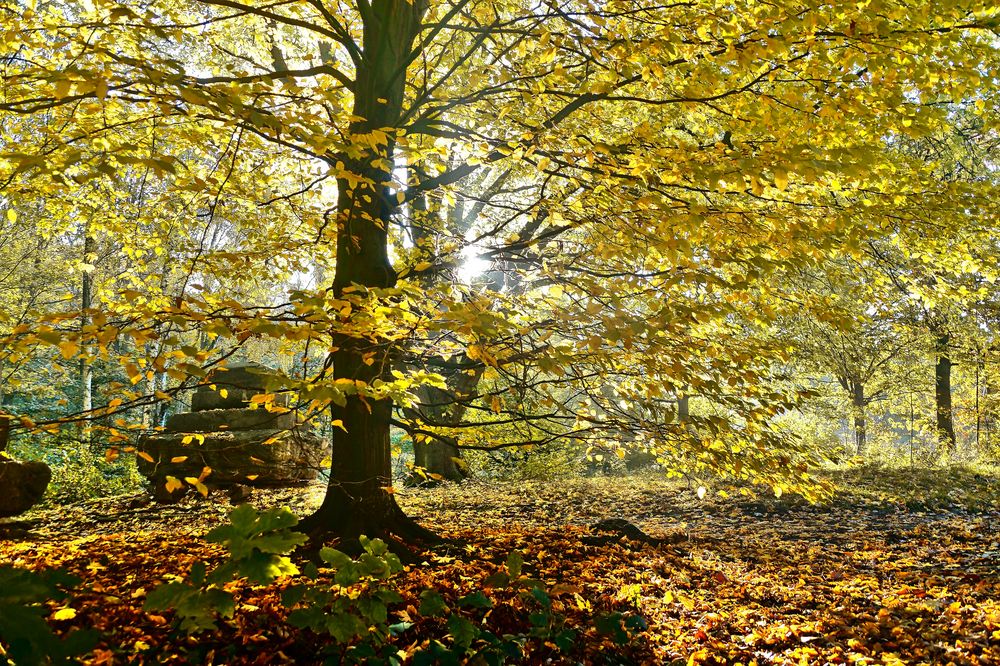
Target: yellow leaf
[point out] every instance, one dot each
(63, 88)
(101, 88)
(111, 455)
(224, 393)
(68, 349)
(780, 179)
(173, 483)
(205, 471)
(199, 486)
(252, 477)
(11, 215)
(422, 266)
(178, 459)
(64, 614)
(145, 456)
(337, 423)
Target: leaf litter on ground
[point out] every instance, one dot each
(899, 567)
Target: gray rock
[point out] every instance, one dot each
(22, 485)
(241, 445)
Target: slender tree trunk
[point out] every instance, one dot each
(86, 302)
(942, 393)
(683, 408)
(357, 498)
(979, 415)
(860, 419)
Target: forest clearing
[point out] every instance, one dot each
(499, 331)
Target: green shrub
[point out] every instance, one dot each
(80, 470)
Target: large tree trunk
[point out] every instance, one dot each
(942, 392)
(358, 500)
(860, 421)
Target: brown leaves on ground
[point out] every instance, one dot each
(863, 579)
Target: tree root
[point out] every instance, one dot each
(405, 537)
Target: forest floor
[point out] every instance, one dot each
(899, 567)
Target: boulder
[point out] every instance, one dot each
(22, 485)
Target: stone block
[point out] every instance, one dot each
(272, 457)
(240, 382)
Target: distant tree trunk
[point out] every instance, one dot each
(942, 392)
(439, 456)
(858, 402)
(358, 500)
(979, 414)
(683, 408)
(4, 432)
(86, 302)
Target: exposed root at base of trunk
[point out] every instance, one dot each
(405, 537)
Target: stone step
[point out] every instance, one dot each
(230, 419)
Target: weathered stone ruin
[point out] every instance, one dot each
(245, 441)
(22, 484)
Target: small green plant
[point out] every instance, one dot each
(621, 627)
(355, 606)
(258, 544)
(25, 637)
(470, 641)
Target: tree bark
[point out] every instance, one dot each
(4, 432)
(358, 500)
(942, 392)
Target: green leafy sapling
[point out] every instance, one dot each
(258, 545)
